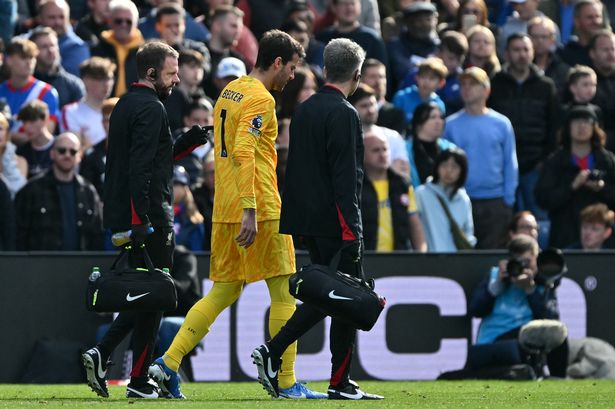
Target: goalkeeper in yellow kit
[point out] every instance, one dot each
(246, 244)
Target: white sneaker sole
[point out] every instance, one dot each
(257, 359)
(90, 372)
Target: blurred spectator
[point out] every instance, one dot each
(91, 26)
(314, 49)
(8, 19)
(417, 41)
(430, 77)
(388, 206)
(34, 116)
(581, 90)
(297, 90)
(453, 50)
(59, 210)
(488, 139)
(21, 87)
(84, 118)
(188, 221)
(264, 15)
(229, 69)
(602, 55)
(7, 219)
(194, 30)
(596, 227)
(580, 173)
(13, 168)
(374, 74)
(523, 222)
(524, 11)
(120, 43)
(481, 50)
(506, 302)
(48, 68)
(444, 205)
(55, 14)
(587, 23)
(204, 196)
(469, 14)
(542, 31)
(426, 142)
(190, 74)
(347, 25)
(364, 101)
(226, 25)
(93, 164)
(529, 100)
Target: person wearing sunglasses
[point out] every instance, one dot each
(60, 210)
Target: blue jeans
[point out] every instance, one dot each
(525, 198)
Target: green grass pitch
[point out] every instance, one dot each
(440, 394)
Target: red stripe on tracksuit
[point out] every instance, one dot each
(135, 217)
(347, 234)
(185, 153)
(337, 375)
(138, 367)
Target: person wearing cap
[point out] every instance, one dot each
(488, 139)
(229, 69)
(417, 41)
(580, 173)
(188, 221)
(602, 54)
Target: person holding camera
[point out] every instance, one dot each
(513, 294)
(580, 173)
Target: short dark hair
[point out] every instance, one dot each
(579, 4)
(274, 44)
(169, 9)
(98, 68)
(513, 226)
(224, 10)
(421, 115)
(22, 47)
(598, 139)
(515, 37)
(152, 55)
(455, 42)
(33, 111)
(369, 63)
(199, 104)
(460, 158)
(363, 91)
(294, 25)
(522, 243)
(190, 57)
(602, 33)
(42, 31)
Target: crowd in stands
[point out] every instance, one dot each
(481, 118)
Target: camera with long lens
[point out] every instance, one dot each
(515, 266)
(551, 267)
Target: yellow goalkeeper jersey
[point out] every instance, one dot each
(245, 157)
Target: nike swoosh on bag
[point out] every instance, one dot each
(337, 297)
(130, 298)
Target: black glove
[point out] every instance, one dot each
(351, 257)
(139, 233)
(197, 135)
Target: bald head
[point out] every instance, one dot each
(55, 14)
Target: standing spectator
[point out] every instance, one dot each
(481, 50)
(488, 139)
(189, 88)
(596, 227)
(374, 74)
(587, 23)
(91, 26)
(529, 100)
(426, 142)
(347, 13)
(524, 11)
(13, 168)
(453, 50)
(602, 55)
(35, 119)
(21, 86)
(302, 87)
(7, 219)
(580, 173)
(581, 90)
(120, 43)
(444, 206)
(542, 31)
(84, 118)
(417, 42)
(195, 30)
(59, 210)
(469, 14)
(299, 30)
(55, 14)
(70, 88)
(188, 221)
(388, 207)
(229, 69)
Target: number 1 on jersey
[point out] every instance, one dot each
(223, 152)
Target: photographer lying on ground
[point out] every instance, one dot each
(514, 294)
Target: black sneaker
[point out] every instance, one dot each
(267, 366)
(142, 390)
(96, 371)
(351, 391)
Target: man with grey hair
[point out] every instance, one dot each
(320, 202)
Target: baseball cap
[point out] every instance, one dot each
(582, 112)
(420, 7)
(477, 74)
(180, 176)
(231, 67)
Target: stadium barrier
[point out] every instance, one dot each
(423, 331)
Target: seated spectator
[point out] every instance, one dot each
(7, 218)
(204, 196)
(48, 68)
(93, 164)
(13, 168)
(388, 206)
(374, 74)
(120, 43)
(481, 50)
(195, 31)
(426, 142)
(91, 26)
(581, 88)
(543, 31)
(21, 87)
(430, 77)
(84, 118)
(587, 23)
(596, 227)
(229, 69)
(602, 55)
(39, 141)
(580, 173)
(188, 90)
(188, 221)
(523, 222)
(444, 206)
(55, 14)
(509, 298)
(59, 210)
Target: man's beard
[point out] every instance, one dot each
(162, 91)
